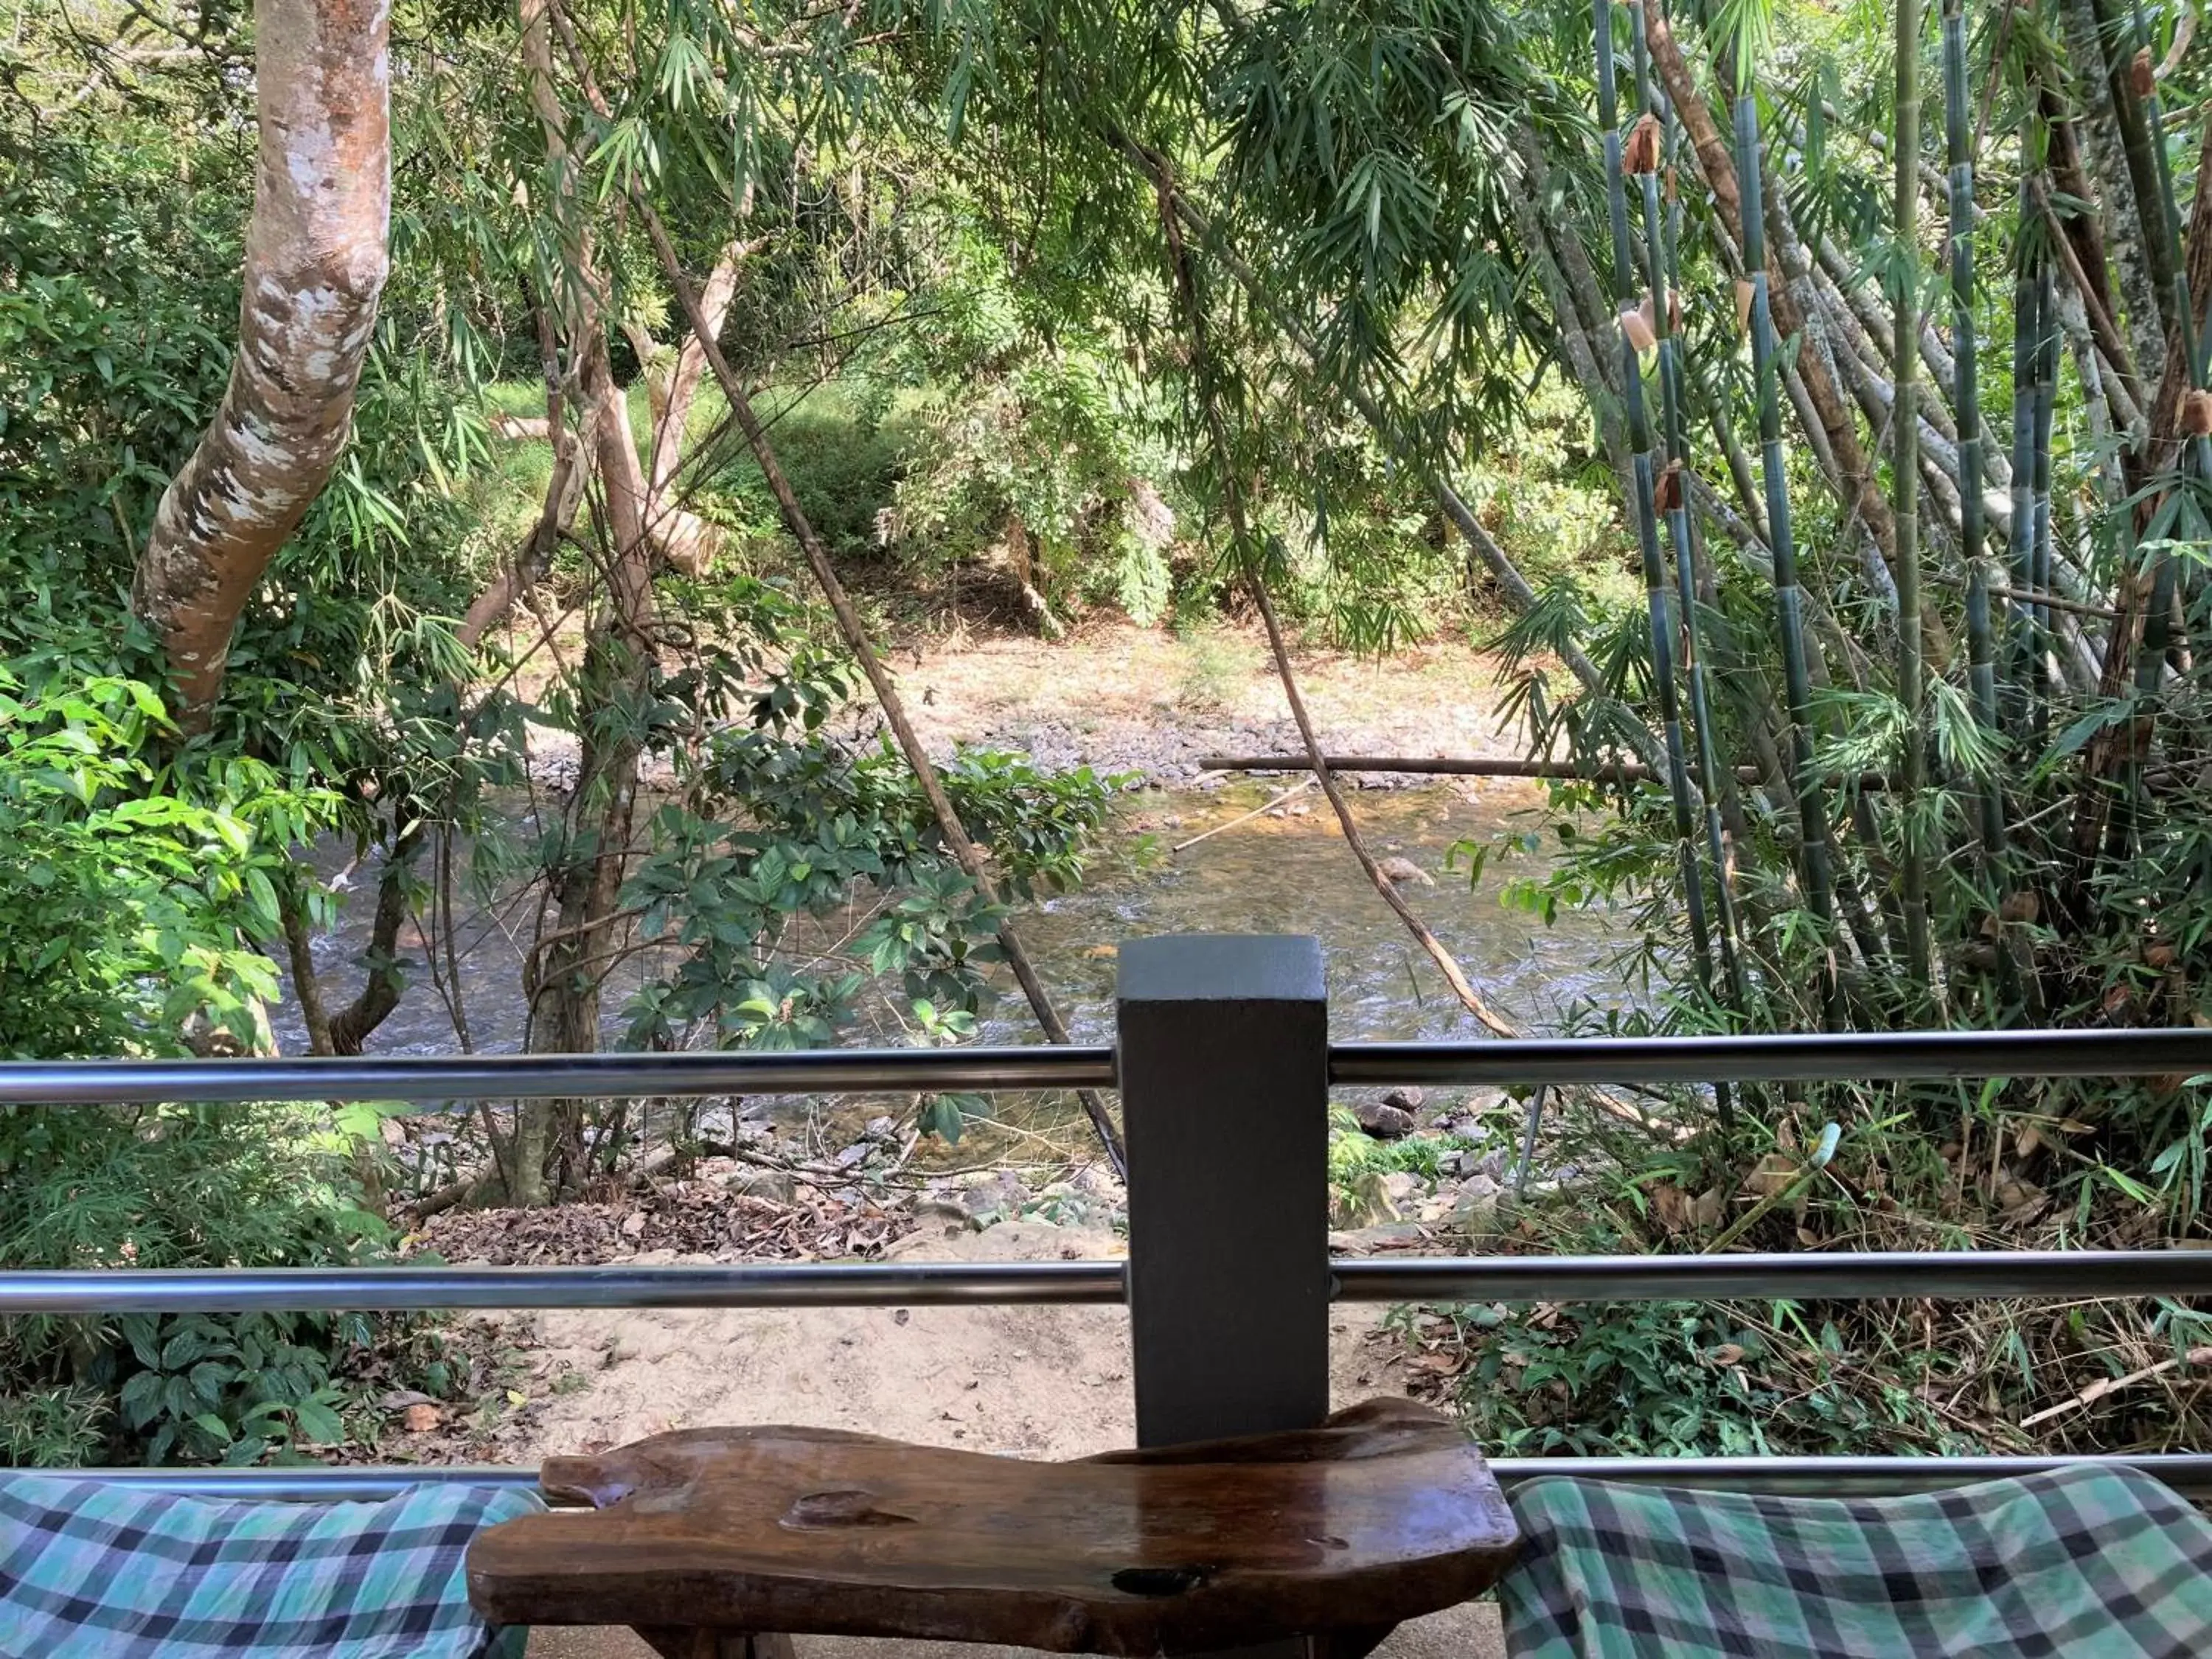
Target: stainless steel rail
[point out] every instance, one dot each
(1874, 1054)
(551, 1077)
(1858, 1055)
(1804, 1276)
(1861, 1276)
(1867, 1275)
(774, 1285)
(2187, 1473)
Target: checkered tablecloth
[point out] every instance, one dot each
(94, 1571)
(2085, 1563)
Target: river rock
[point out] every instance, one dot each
(1382, 1119)
(1475, 1204)
(1408, 1099)
(1383, 1236)
(1399, 869)
(754, 1180)
(996, 1195)
(1490, 1165)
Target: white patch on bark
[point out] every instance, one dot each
(316, 262)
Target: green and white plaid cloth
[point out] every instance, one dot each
(2086, 1563)
(90, 1569)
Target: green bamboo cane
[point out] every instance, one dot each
(1789, 597)
(1659, 283)
(2155, 120)
(1647, 515)
(1713, 782)
(1981, 639)
(1904, 480)
(2027, 290)
(2046, 391)
(1981, 642)
(2199, 451)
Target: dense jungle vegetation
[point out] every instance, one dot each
(1809, 401)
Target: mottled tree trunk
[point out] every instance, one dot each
(315, 262)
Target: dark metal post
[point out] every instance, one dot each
(1224, 1069)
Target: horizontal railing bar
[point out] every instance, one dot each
(551, 1077)
(2187, 1473)
(1867, 1055)
(1797, 1057)
(1805, 1276)
(1859, 1275)
(773, 1285)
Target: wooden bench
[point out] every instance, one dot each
(717, 1543)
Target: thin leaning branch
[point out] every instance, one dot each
(1233, 497)
(849, 624)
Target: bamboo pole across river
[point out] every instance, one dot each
(1447, 766)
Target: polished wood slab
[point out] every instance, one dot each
(1387, 1513)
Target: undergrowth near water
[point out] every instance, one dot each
(1960, 1167)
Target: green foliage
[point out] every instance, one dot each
(117, 295)
(138, 890)
(844, 460)
(780, 829)
(137, 901)
(160, 1187)
(1683, 1379)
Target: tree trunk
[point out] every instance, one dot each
(315, 264)
(562, 978)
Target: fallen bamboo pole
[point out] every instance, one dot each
(1268, 806)
(894, 708)
(1445, 766)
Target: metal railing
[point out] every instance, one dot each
(1222, 1054)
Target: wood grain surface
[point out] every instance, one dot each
(1385, 1513)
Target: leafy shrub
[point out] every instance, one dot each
(844, 461)
(1680, 1379)
(778, 829)
(136, 901)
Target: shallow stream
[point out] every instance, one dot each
(1288, 871)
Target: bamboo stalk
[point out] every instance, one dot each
(1645, 483)
(1662, 235)
(1904, 481)
(863, 649)
(1981, 643)
(2046, 391)
(1797, 686)
(2027, 297)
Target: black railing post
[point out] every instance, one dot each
(1223, 1072)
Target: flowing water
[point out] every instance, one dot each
(1290, 872)
(1294, 874)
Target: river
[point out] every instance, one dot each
(1290, 872)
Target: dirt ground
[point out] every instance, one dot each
(1036, 1382)
(1028, 1382)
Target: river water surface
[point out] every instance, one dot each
(1286, 873)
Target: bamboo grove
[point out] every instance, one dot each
(1985, 808)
